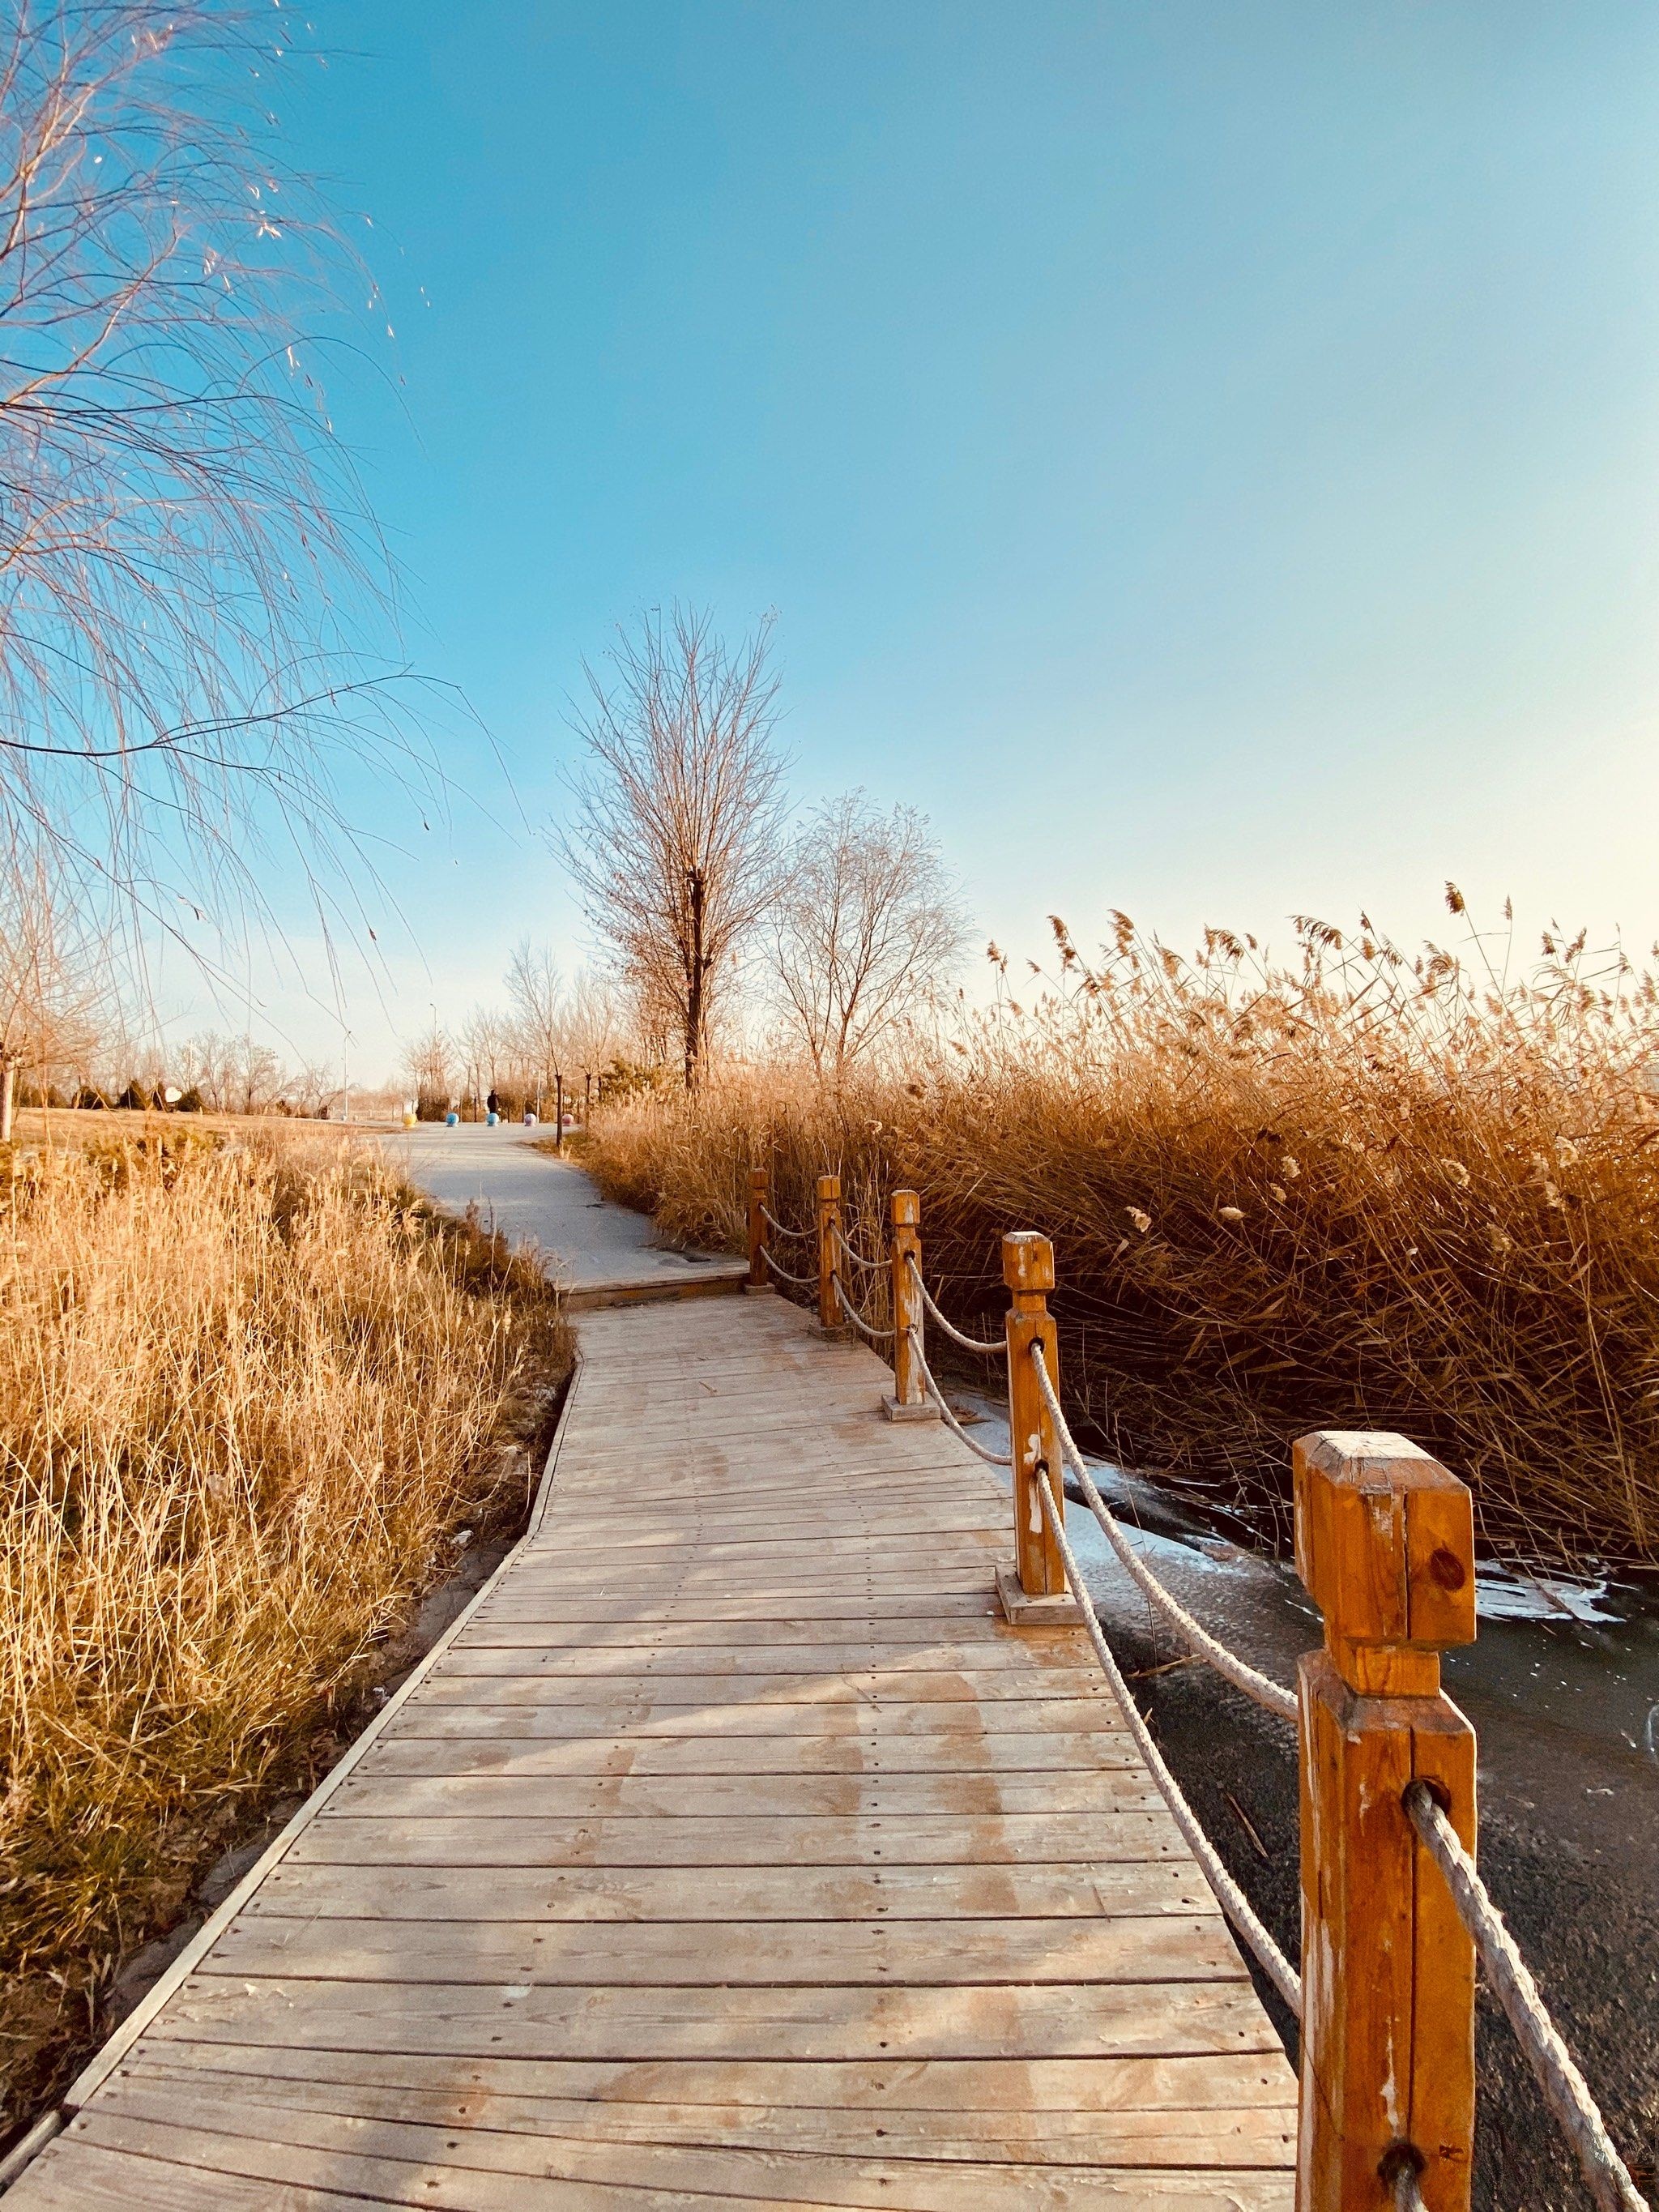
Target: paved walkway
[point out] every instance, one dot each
(599, 1252)
(732, 1850)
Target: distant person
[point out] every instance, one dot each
(493, 1107)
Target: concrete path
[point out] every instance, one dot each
(603, 1254)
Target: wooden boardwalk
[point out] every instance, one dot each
(731, 1851)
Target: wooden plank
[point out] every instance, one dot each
(1042, 1666)
(968, 1686)
(956, 1751)
(999, 2092)
(981, 1631)
(78, 2174)
(519, 2020)
(392, 2162)
(699, 1953)
(787, 1577)
(835, 2124)
(1004, 1840)
(652, 1718)
(542, 1797)
(757, 1894)
(875, 1613)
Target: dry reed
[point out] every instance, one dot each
(1363, 1191)
(248, 1391)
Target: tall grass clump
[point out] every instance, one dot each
(1357, 1190)
(245, 1396)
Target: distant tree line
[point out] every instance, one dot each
(547, 1040)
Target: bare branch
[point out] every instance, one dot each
(187, 561)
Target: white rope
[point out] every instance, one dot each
(968, 1343)
(1565, 2091)
(1404, 2188)
(991, 1458)
(869, 1267)
(772, 1222)
(875, 1335)
(1230, 1897)
(1266, 1693)
(801, 1282)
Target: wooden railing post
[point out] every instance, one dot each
(909, 1401)
(760, 1192)
(829, 1318)
(1036, 1594)
(1385, 1545)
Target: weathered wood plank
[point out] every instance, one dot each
(1032, 1673)
(833, 2125)
(950, 1752)
(648, 1718)
(968, 1685)
(701, 1953)
(477, 2170)
(519, 2020)
(996, 2092)
(371, 1794)
(725, 1893)
(662, 1840)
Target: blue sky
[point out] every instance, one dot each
(1205, 456)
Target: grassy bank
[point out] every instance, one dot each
(1360, 1192)
(248, 1390)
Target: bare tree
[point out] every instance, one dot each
(311, 1087)
(52, 998)
(430, 1060)
(597, 1030)
(186, 554)
(258, 1077)
(485, 1044)
(869, 928)
(676, 836)
(535, 990)
(234, 1075)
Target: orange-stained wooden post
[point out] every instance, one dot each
(909, 1401)
(1036, 1594)
(760, 1190)
(829, 1320)
(1385, 1545)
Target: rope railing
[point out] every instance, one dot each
(1565, 2091)
(850, 1251)
(1230, 1897)
(802, 1236)
(867, 1329)
(993, 1348)
(1266, 1693)
(801, 1282)
(991, 1458)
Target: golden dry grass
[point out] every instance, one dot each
(1363, 1191)
(247, 1388)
